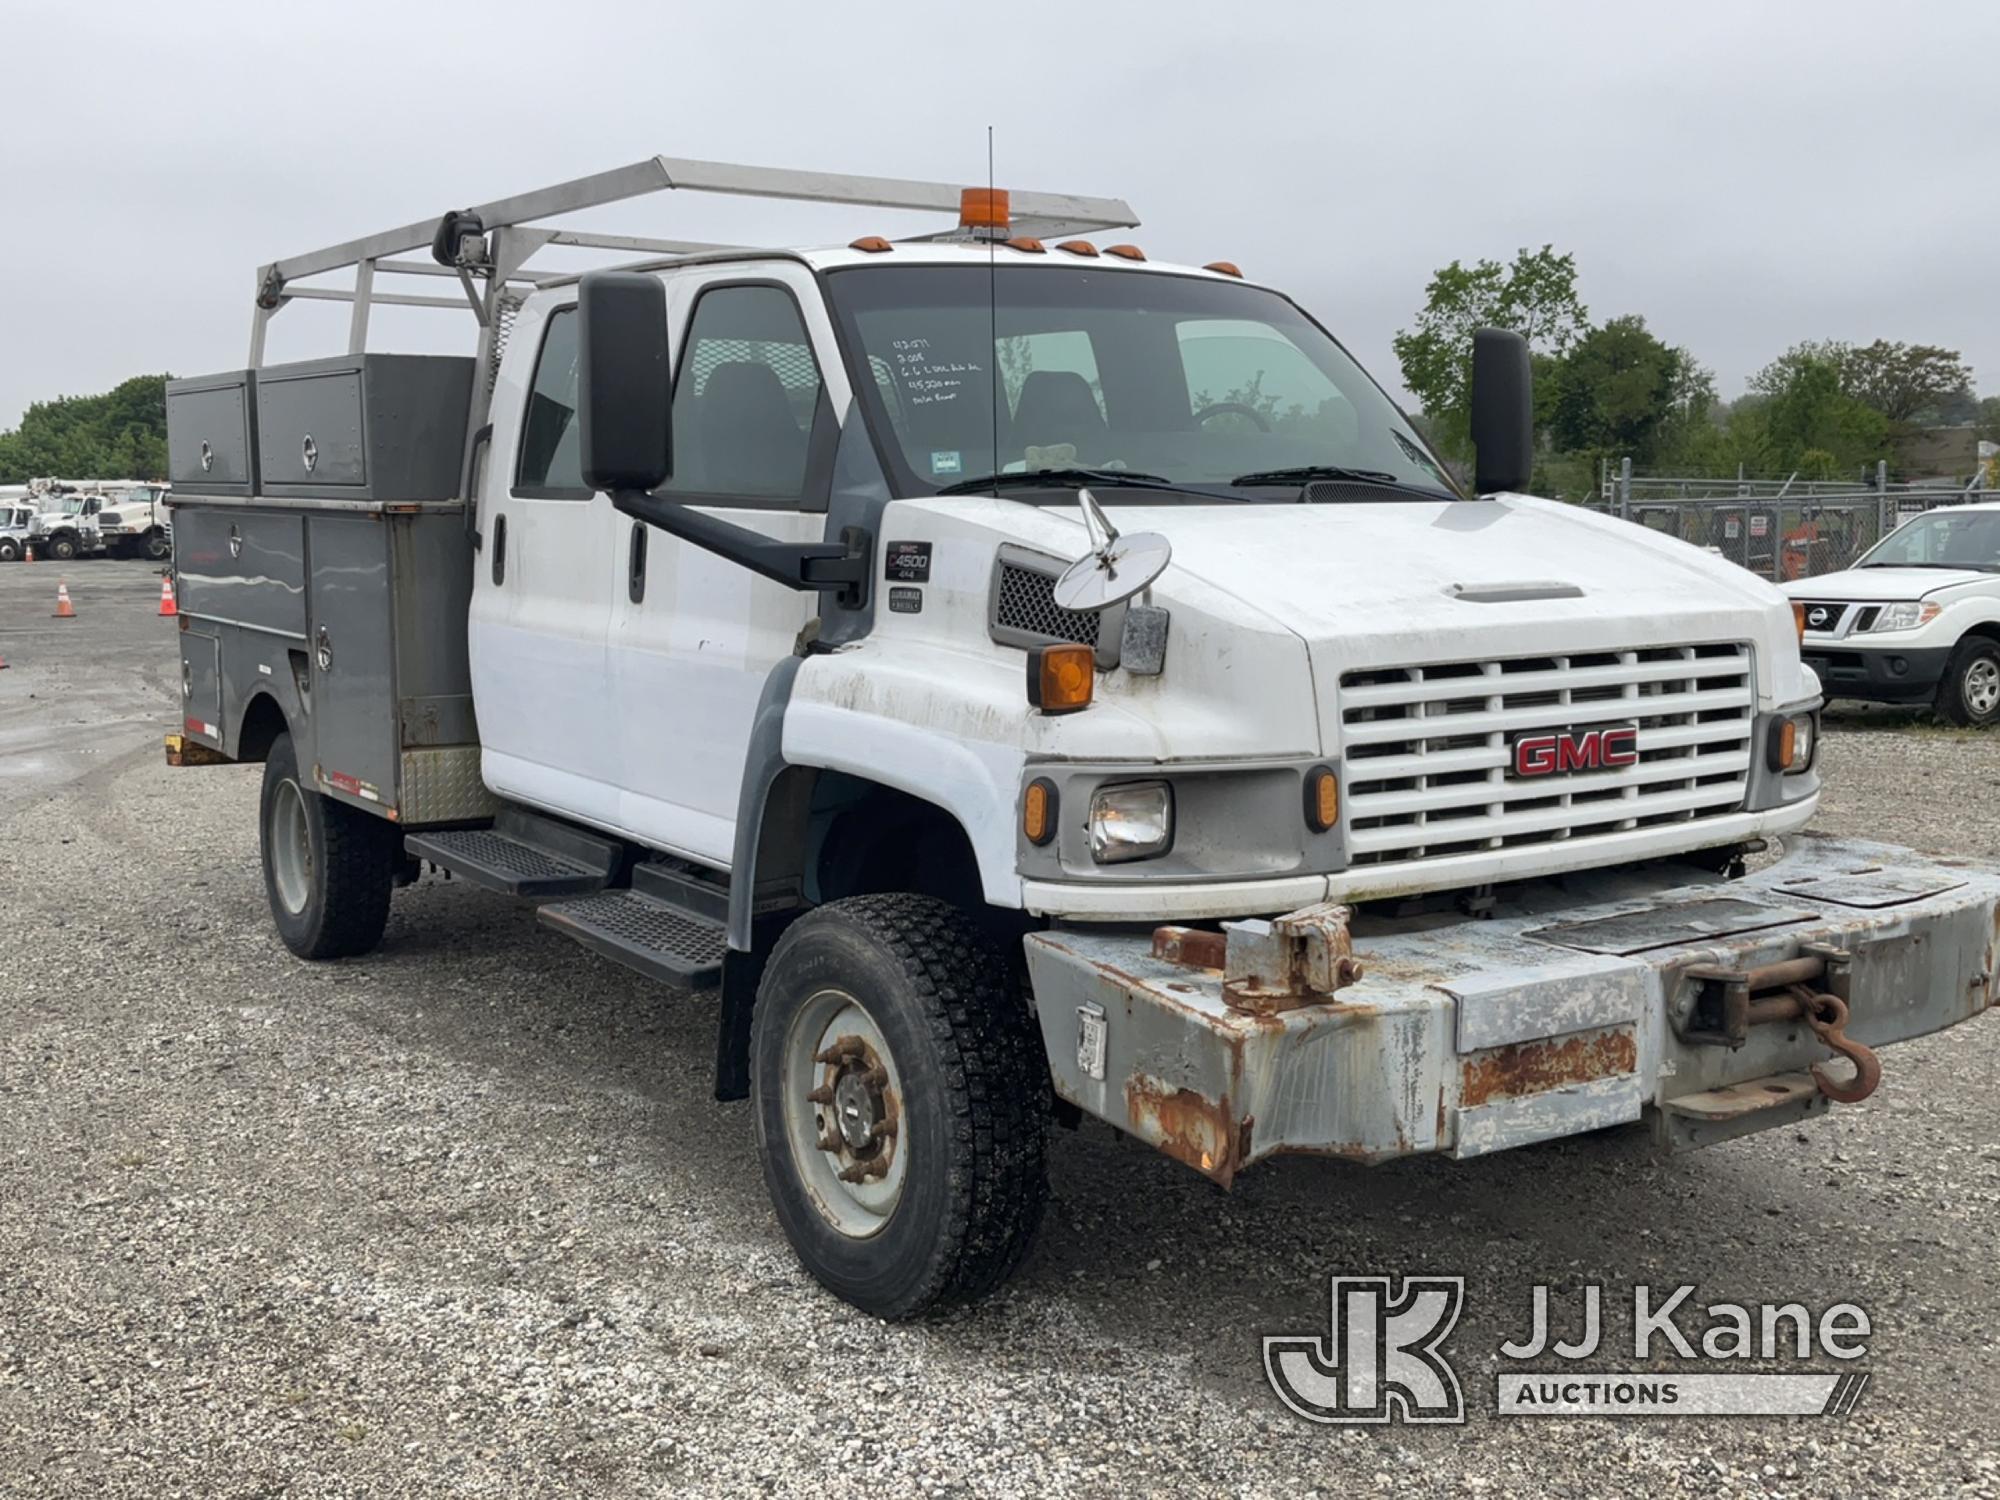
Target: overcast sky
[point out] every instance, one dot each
(1745, 175)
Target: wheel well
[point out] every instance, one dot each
(1988, 630)
(866, 838)
(263, 722)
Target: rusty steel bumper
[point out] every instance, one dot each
(1664, 996)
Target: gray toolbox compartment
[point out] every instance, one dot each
(363, 427)
(343, 598)
(212, 433)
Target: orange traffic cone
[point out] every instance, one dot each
(31, 552)
(64, 609)
(167, 605)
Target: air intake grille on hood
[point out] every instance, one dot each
(1024, 601)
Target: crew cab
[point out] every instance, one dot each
(1025, 679)
(1916, 620)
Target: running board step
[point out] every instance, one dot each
(661, 941)
(521, 855)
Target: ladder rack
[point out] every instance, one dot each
(496, 249)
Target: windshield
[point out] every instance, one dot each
(1962, 539)
(1192, 380)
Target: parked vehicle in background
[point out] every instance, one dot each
(15, 520)
(1916, 620)
(135, 522)
(927, 643)
(65, 525)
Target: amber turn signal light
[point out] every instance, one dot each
(1038, 811)
(1322, 799)
(1060, 678)
(1799, 620)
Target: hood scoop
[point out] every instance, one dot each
(1513, 593)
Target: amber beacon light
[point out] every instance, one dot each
(983, 208)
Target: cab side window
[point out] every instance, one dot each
(747, 398)
(551, 462)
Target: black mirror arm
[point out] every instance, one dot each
(840, 570)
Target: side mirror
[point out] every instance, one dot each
(624, 381)
(1503, 411)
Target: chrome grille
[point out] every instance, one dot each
(1426, 750)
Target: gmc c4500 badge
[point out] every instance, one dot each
(1561, 752)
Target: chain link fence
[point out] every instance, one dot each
(1782, 530)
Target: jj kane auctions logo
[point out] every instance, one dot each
(1382, 1358)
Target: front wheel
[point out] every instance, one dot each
(901, 1098)
(62, 548)
(10, 550)
(156, 546)
(328, 867)
(1969, 692)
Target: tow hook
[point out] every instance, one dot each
(1726, 1004)
(1827, 1015)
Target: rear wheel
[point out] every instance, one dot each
(901, 1099)
(1969, 692)
(328, 867)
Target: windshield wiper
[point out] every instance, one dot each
(1072, 477)
(1307, 473)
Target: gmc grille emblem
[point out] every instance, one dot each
(1562, 752)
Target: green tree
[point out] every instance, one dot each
(1808, 410)
(1903, 381)
(1621, 390)
(1535, 296)
(121, 434)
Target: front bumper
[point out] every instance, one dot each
(1548, 1020)
(1879, 673)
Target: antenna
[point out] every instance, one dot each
(993, 374)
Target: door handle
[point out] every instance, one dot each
(499, 550)
(635, 577)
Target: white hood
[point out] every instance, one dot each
(1401, 583)
(1882, 585)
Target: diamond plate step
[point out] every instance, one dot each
(521, 855)
(661, 941)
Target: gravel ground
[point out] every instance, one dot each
(462, 1218)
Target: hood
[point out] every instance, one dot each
(1883, 585)
(1405, 583)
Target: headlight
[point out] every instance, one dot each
(1794, 738)
(1905, 616)
(1132, 821)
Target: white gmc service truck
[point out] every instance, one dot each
(1025, 679)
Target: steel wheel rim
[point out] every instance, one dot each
(1982, 686)
(291, 847)
(839, 1083)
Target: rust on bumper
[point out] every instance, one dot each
(1549, 1063)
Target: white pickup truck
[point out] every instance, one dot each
(1028, 679)
(1916, 620)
